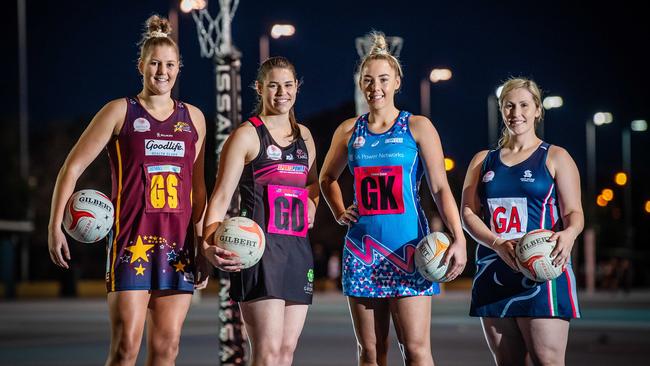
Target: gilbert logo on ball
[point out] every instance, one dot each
(429, 254)
(533, 256)
(243, 237)
(88, 216)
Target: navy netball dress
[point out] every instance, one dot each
(517, 199)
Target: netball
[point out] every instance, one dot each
(533, 254)
(88, 216)
(429, 254)
(243, 237)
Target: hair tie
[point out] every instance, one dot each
(157, 34)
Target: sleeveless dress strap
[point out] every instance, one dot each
(256, 121)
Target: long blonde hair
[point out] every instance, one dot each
(519, 83)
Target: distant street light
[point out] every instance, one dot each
(647, 206)
(603, 118)
(277, 31)
(282, 30)
(589, 232)
(607, 194)
(435, 76)
(189, 5)
(552, 102)
(440, 75)
(639, 125)
(620, 178)
(498, 91)
(449, 164)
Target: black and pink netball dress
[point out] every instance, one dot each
(273, 194)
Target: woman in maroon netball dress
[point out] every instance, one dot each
(271, 158)
(156, 147)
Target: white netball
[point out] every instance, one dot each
(429, 254)
(243, 237)
(88, 216)
(533, 256)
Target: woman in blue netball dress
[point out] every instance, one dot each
(525, 184)
(156, 148)
(271, 159)
(388, 151)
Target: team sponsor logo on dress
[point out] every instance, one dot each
(141, 125)
(291, 168)
(301, 154)
(391, 155)
(358, 142)
(163, 169)
(394, 140)
(158, 134)
(273, 152)
(289, 157)
(309, 287)
(528, 177)
(489, 175)
(164, 148)
(374, 143)
(182, 127)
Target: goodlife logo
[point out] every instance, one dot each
(164, 148)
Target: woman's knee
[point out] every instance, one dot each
(504, 357)
(417, 351)
(371, 352)
(286, 351)
(164, 345)
(268, 356)
(125, 348)
(547, 356)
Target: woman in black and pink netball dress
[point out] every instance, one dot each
(271, 159)
(155, 145)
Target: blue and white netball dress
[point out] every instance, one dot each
(515, 200)
(378, 251)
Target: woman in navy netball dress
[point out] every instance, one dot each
(388, 151)
(155, 145)
(525, 184)
(271, 159)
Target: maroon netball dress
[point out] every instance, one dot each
(151, 246)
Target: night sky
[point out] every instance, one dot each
(83, 54)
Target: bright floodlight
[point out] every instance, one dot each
(282, 30)
(498, 91)
(439, 75)
(189, 5)
(603, 118)
(552, 102)
(639, 125)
